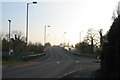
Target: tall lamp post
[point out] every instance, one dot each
(48, 37)
(9, 33)
(81, 36)
(9, 28)
(27, 22)
(64, 39)
(45, 34)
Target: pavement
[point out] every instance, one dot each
(57, 63)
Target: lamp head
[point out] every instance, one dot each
(9, 20)
(34, 2)
(48, 26)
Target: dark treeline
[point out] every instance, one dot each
(84, 47)
(108, 49)
(110, 57)
(18, 46)
(91, 42)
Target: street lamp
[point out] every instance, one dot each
(27, 21)
(45, 34)
(9, 28)
(64, 39)
(27, 25)
(9, 33)
(48, 37)
(81, 36)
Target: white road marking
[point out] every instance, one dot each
(72, 72)
(77, 61)
(58, 62)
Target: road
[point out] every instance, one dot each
(55, 64)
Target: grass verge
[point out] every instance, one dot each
(16, 60)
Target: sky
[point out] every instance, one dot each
(63, 16)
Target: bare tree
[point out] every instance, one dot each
(92, 38)
(118, 8)
(101, 36)
(18, 35)
(114, 15)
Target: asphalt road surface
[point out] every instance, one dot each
(55, 64)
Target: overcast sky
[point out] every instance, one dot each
(70, 16)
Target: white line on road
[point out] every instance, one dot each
(77, 61)
(72, 72)
(58, 62)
